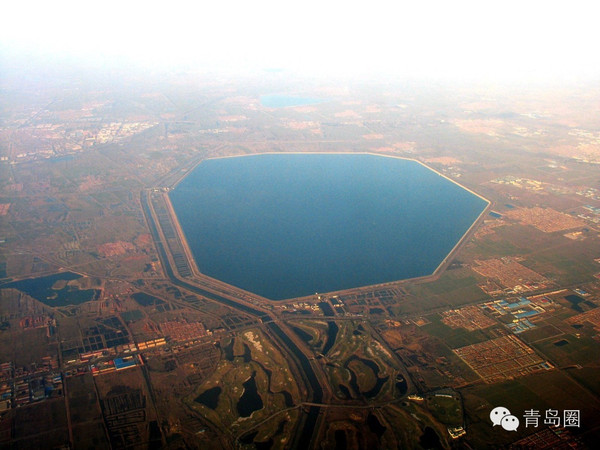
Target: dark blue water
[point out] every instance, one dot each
(250, 400)
(332, 331)
(282, 101)
(210, 397)
(41, 289)
(284, 226)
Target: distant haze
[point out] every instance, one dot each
(455, 39)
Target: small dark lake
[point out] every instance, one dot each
(575, 300)
(144, 299)
(375, 426)
(332, 331)
(429, 439)
(326, 308)
(401, 385)
(302, 334)
(341, 441)
(210, 397)
(41, 289)
(250, 400)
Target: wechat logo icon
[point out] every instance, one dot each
(502, 416)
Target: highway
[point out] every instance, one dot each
(304, 437)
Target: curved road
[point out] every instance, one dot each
(303, 438)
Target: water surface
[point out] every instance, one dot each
(44, 289)
(284, 226)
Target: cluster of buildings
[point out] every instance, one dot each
(121, 363)
(115, 365)
(502, 358)
(47, 140)
(117, 350)
(589, 192)
(19, 386)
(298, 306)
(524, 183)
(521, 310)
(595, 217)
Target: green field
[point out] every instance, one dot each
(447, 408)
(359, 367)
(249, 355)
(543, 391)
(453, 337)
(579, 350)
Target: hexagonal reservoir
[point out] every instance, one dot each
(290, 225)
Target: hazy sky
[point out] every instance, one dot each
(450, 38)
